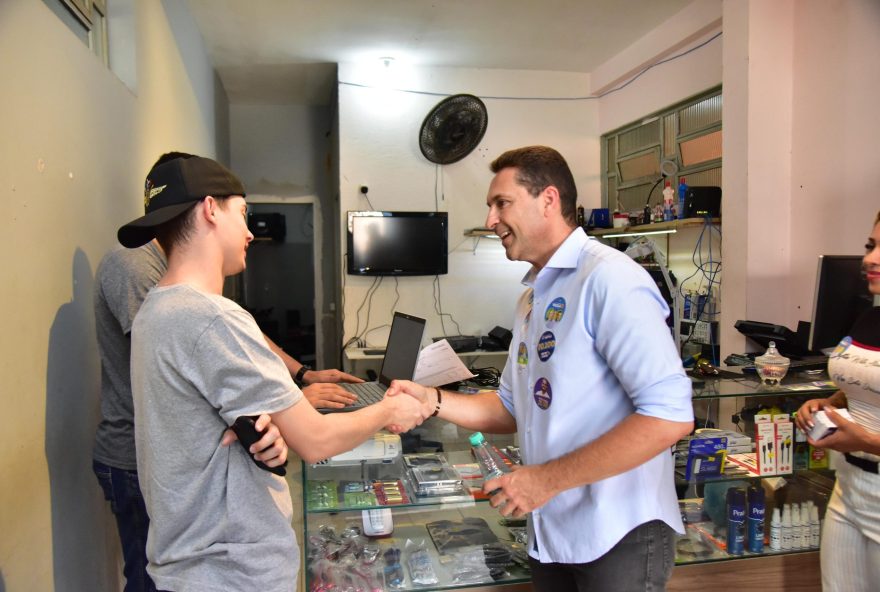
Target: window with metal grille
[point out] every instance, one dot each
(686, 135)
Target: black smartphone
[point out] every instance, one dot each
(246, 430)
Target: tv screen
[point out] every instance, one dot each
(397, 243)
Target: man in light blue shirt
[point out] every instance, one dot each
(593, 385)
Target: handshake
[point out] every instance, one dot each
(409, 404)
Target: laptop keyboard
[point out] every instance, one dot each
(367, 392)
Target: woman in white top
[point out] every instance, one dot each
(850, 553)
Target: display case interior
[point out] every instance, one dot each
(420, 522)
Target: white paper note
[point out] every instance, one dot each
(438, 364)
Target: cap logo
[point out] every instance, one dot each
(150, 192)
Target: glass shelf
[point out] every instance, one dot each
(704, 540)
(657, 227)
(749, 385)
(333, 481)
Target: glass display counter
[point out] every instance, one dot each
(410, 549)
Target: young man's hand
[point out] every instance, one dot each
(270, 448)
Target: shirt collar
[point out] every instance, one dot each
(565, 257)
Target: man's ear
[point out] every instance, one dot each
(550, 197)
(207, 208)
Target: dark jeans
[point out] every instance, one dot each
(641, 561)
(122, 490)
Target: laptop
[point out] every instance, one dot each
(401, 355)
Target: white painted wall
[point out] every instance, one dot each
(281, 149)
(835, 162)
(379, 148)
(287, 152)
(663, 84)
(800, 146)
(77, 144)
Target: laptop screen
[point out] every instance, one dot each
(402, 350)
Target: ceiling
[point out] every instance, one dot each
(286, 51)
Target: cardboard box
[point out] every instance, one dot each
(818, 458)
(705, 457)
(822, 424)
(765, 444)
(784, 444)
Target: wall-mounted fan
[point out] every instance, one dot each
(453, 128)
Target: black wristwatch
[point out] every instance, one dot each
(300, 374)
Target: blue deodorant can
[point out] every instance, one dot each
(736, 520)
(755, 523)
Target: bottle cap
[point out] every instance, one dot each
(735, 495)
(776, 518)
(756, 495)
(476, 438)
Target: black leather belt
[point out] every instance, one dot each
(863, 463)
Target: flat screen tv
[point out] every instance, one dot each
(397, 243)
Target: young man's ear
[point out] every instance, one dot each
(208, 207)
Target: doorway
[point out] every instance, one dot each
(278, 286)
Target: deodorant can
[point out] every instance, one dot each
(755, 526)
(736, 520)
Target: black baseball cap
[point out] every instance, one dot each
(172, 188)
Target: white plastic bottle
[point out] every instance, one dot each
(815, 527)
(668, 200)
(786, 527)
(797, 529)
(776, 531)
(805, 525)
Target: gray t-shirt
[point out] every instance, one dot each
(122, 281)
(217, 521)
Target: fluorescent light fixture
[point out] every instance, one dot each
(622, 234)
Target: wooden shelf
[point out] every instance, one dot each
(657, 226)
(477, 232)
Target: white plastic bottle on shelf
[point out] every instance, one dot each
(776, 531)
(805, 525)
(786, 527)
(797, 529)
(815, 527)
(668, 200)
(491, 465)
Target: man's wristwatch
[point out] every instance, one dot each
(300, 374)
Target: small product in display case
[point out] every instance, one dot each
(431, 475)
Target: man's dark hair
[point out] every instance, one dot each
(538, 167)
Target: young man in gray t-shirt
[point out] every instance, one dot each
(198, 362)
(122, 281)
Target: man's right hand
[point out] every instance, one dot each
(328, 395)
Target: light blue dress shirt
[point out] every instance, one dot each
(591, 347)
